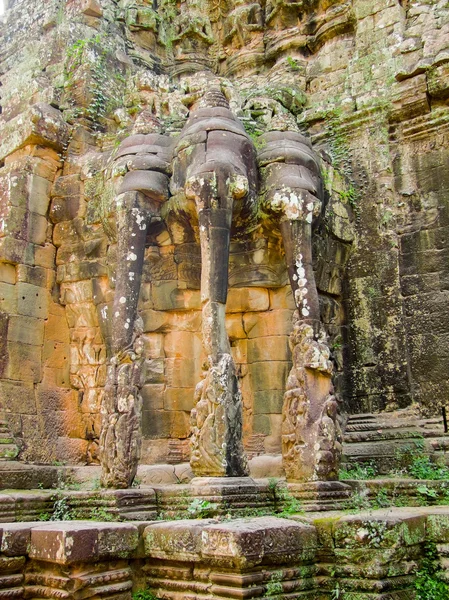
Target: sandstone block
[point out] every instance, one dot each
(153, 371)
(179, 399)
(156, 424)
(38, 194)
(269, 375)
(239, 351)
(353, 531)
(55, 354)
(7, 273)
(56, 329)
(8, 298)
(16, 538)
(268, 401)
(44, 256)
(282, 298)
(234, 327)
(261, 424)
(266, 540)
(32, 300)
(155, 321)
(83, 270)
(268, 349)
(152, 397)
(81, 314)
(247, 300)
(24, 362)
(182, 344)
(27, 330)
(266, 466)
(17, 398)
(178, 540)
(17, 251)
(182, 373)
(40, 124)
(273, 322)
(153, 345)
(168, 296)
(180, 424)
(35, 275)
(79, 291)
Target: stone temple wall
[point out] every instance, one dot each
(367, 81)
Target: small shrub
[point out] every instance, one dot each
(274, 586)
(61, 510)
(358, 471)
(200, 509)
(422, 467)
(101, 514)
(285, 503)
(382, 500)
(428, 584)
(144, 595)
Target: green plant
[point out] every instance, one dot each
(274, 587)
(101, 514)
(376, 531)
(382, 500)
(358, 501)
(292, 64)
(428, 584)
(413, 462)
(102, 84)
(146, 594)
(337, 343)
(337, 592)
(199, 509)
(422, 467)
(424, 490)
(61, 510)
(285, 503)
(358, 471)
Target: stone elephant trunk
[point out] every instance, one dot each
(216, 163)
(311, 433)
(144, 160)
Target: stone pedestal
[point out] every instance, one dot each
(321, 495)
(217, 448)
(311, 432)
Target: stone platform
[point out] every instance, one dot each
(381, 439)
(373, 555)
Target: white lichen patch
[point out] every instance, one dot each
(122, 300)
(131, 256)
(295, 205)
(302, 291)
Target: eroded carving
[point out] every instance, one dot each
(311, 435)
(215, 163)
(143, 164)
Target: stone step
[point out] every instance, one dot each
(8, 451)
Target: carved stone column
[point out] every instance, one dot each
(145, 162)
(219, 174)
(311, 434)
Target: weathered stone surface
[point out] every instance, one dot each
(41, 124)
(84, 102)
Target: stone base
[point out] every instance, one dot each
(16, 475)
(372, 555)
(321, 495)
(379, 439)
(210, 496)
(100, 505)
